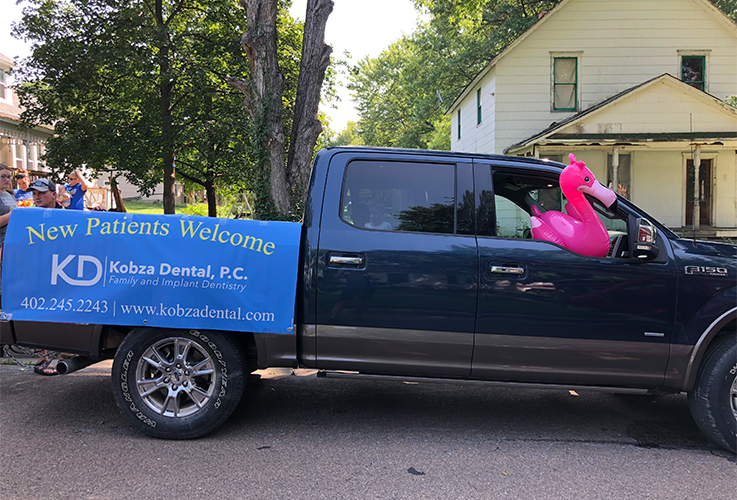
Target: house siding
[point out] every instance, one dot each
(653, 195)
(664, 106)
(477, 137)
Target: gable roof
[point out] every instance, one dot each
(5, 59)
(553, 131)
(721, 17)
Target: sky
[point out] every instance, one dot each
(361, 27)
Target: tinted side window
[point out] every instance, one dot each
(399, 196)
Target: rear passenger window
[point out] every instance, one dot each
(399, 196)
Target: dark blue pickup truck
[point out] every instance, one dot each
(421, 265)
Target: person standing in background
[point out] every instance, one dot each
(7, 200)
(75, 189)
(44, 196)
(7, 203)
(23, 197)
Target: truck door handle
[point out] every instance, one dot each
(343, 260)
(508, 270)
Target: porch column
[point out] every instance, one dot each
(696, 187)
(536, 151)
(26, 153)
(615, 170)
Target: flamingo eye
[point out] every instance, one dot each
(586, 179)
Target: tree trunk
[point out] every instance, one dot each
(260, 44)
(117, 197)
(306, 128)
(165, 86)
(287, 182)
(212, 207)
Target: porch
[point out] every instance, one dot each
(725, 234)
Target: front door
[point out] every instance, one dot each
(704, 193)
(547, 314)
(397, 271)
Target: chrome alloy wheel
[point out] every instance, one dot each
(175, 377)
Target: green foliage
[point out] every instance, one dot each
(729, 7)
(350, 136)
(127, 88)
(398, 92)
(194, 209)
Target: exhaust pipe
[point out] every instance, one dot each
(66, 366)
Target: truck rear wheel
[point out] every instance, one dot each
(177, 384)
(713, 400)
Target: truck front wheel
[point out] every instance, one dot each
(177, 384)
(713, 400)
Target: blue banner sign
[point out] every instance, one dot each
(173, 271)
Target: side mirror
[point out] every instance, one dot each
(645, 247)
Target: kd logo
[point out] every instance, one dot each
(57, 270)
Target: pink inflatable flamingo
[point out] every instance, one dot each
(581, 230)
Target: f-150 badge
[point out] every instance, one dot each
(706, 271)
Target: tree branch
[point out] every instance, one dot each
(244, 88)
(190, 177)
(174, 12)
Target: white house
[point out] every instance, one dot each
(633, 88)
(19, 147)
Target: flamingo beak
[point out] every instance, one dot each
(601, 193)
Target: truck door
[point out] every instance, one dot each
(547, 314)
(397, 266)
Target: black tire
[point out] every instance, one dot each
(713, 400)
(177, 384)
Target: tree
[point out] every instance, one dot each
(132, 84)
(729, 7)
(402, 94)
(282, 162)
(428, 69)
(350, 136)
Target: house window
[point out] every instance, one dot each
(2, 84)
(459, 124)
(478, 107)
(558, 158)
(693, 71)
(565, 84)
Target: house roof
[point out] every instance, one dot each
(721, 16)
(8, 61)
(553, 131)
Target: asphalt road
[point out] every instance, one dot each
(303, 437)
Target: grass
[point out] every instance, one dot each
(143, 207)
(147, 207)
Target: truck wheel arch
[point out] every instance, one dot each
(717, 327)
